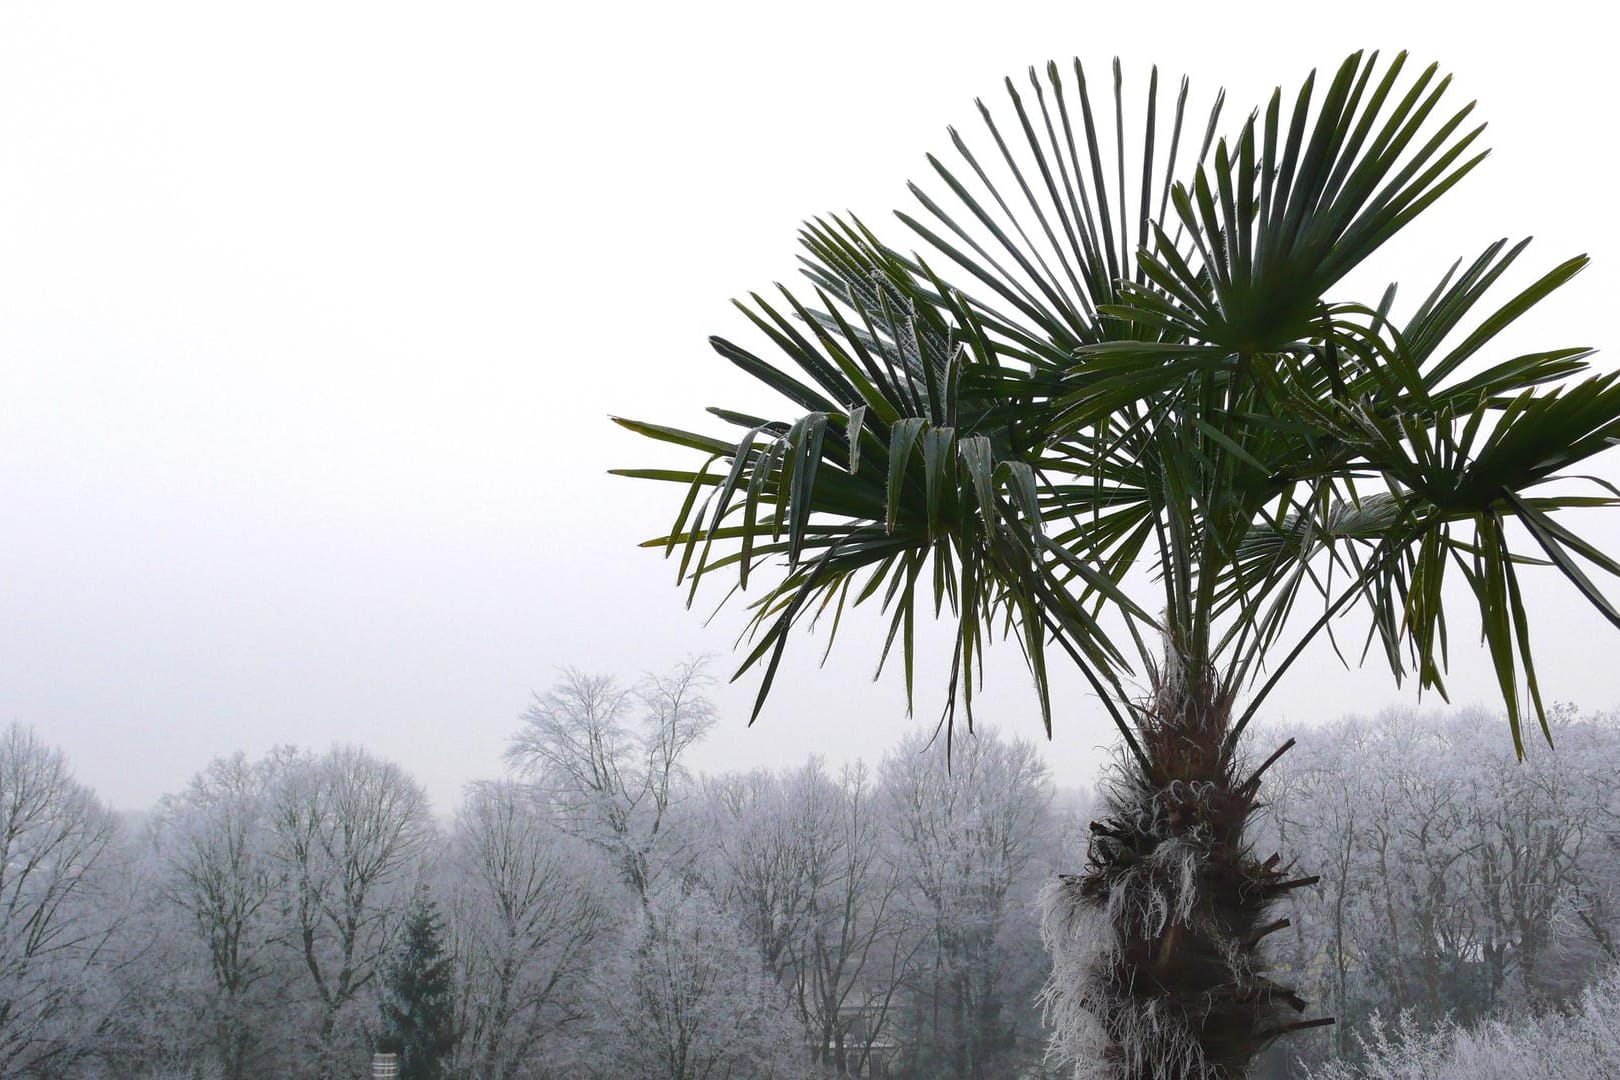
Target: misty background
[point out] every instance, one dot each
(312, 316)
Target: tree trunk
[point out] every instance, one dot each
(1157, 965)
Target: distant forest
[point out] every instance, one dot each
(601, 912)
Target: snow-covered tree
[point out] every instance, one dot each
(1582, 1043)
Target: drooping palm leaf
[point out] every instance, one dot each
(905, 448)
(1135, 368)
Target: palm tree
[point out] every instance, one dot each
(1137, 431)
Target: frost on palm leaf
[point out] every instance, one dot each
(1139, 366)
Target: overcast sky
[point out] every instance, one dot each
(312, 316)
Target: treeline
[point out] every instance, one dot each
(1459, 884)
(602, 912)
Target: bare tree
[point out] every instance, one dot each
(685, 997)
(611, 760)
(1541, 861)
(800, 859)
(764, 848)
(965, 841)
(1317, 805)
(349, 831)
(525, 918)
(56, 906)
(1455, 881)
(217, 868)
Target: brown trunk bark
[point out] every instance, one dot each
(1175, 906)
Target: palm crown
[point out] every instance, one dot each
(1139, 368)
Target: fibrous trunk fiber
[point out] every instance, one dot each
(1156, 947)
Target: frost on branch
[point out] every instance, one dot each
(686, 996)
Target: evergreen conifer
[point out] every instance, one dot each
(418, 1017)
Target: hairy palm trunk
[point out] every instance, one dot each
(1157, 965)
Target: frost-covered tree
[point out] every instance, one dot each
(216, 867)
(685, 997)
(1544, 863)
(610, 759)
(800, 858)
(762, 847)
(59, 906)
(965, 841)
(1456, 881)
(1582, 1043)
(348, 833)
(847, 968)
(527, 915)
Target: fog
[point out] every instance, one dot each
(313, 316)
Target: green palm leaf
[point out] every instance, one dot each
(1138, 368)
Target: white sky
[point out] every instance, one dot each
(312, 315)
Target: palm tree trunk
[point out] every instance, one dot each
(1157, 965)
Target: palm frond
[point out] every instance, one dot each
(1137, 368)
